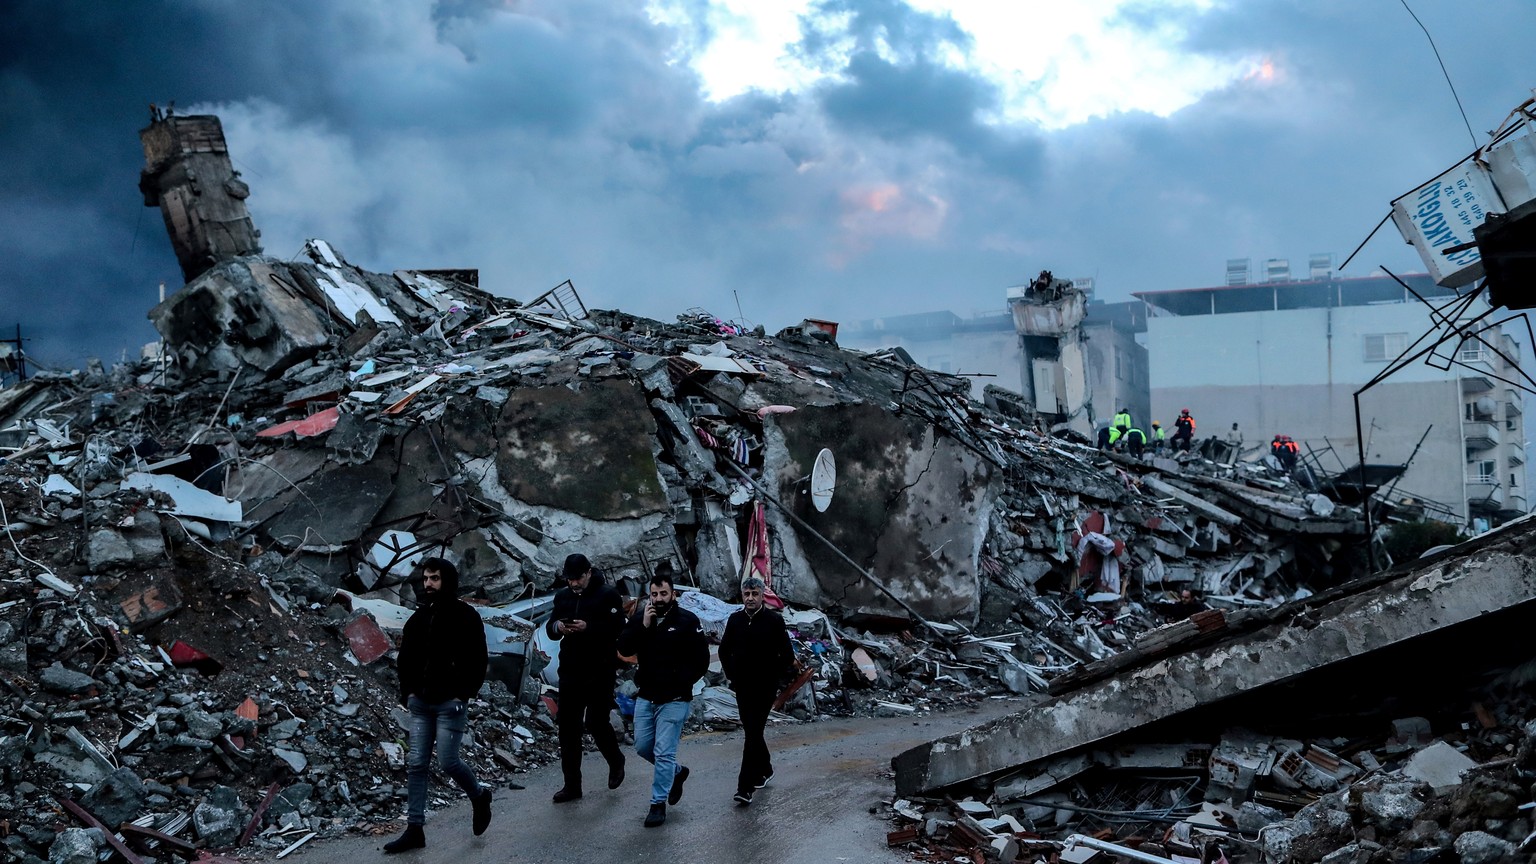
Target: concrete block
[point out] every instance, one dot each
(107, 548)
(57, 679)
(76, 846)
(1440, 765)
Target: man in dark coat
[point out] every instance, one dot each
(442, 665)
(755, 654)
(588, 615)
(672, 654)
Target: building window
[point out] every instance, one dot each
(1119, 365)
(1512, 483)
(1483, 472)
(1472, 351)
(1381, 347)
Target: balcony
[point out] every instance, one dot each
(1515, 452)
(1477, 376)
(1480, 434)
(1512, 407)
(1484, 494)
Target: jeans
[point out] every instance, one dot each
(584, 706)
(756, 764)
(442, 722)
(658, 728)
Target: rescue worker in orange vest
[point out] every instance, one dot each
(1285, 451)
(1184, 431)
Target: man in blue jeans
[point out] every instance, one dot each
(442, 665)
(673, 654)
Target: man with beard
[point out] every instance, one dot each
(442, 665)
(673, 654)
(754, 653)
(586, 620)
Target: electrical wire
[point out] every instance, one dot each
(1446, 73)
(6, 521)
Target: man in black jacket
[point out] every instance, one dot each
(673, 654)
(442, 665)
(586, 620)
(755, 654)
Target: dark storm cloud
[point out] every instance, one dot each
(546, 140)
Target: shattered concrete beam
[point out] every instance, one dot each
(1193, 502)
(1394, 612)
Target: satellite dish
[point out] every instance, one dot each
(823, 480)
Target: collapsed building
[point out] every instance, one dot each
(211, 552)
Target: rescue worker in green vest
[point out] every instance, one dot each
(1122, 421)
(1114, 438)
(1135, 442)
(1159, 437)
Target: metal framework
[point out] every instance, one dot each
(1446, 317)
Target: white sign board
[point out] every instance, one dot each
(1441, 214)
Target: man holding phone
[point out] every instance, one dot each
(586, 620)
(673, 654)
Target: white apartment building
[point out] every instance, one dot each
(1286, 357)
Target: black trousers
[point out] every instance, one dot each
(753, 705)
(584, 706)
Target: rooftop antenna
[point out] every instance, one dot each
(823, 480)
(1444, 72)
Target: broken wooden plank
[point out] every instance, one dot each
(90, 821)
(261, 810)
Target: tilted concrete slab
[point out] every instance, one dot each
(1497, 576)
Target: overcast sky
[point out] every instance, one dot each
(839, 159)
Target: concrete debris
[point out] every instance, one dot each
(1328, 769)
(214, 610)
(76, 846)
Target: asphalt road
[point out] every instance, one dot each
(829, 775)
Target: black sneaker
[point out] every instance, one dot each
(616, 774)
(744, 797)
(567, 794)
(764, 782)
(657, 815)
(676, 794)
(482, 804)
(413, 838)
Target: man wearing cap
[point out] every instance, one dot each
(586, 620)
(442, 665)
(755, 654)
(673, 654)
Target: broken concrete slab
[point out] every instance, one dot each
(332, 509)
(909, 505)
(1440, 765)
(241, 313)
(586, 453)
(58, 679)
(1401, 609)
(117, 798)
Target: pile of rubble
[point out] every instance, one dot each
(210, 551)
(1386, 720)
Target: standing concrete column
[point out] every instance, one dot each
(188, 175)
